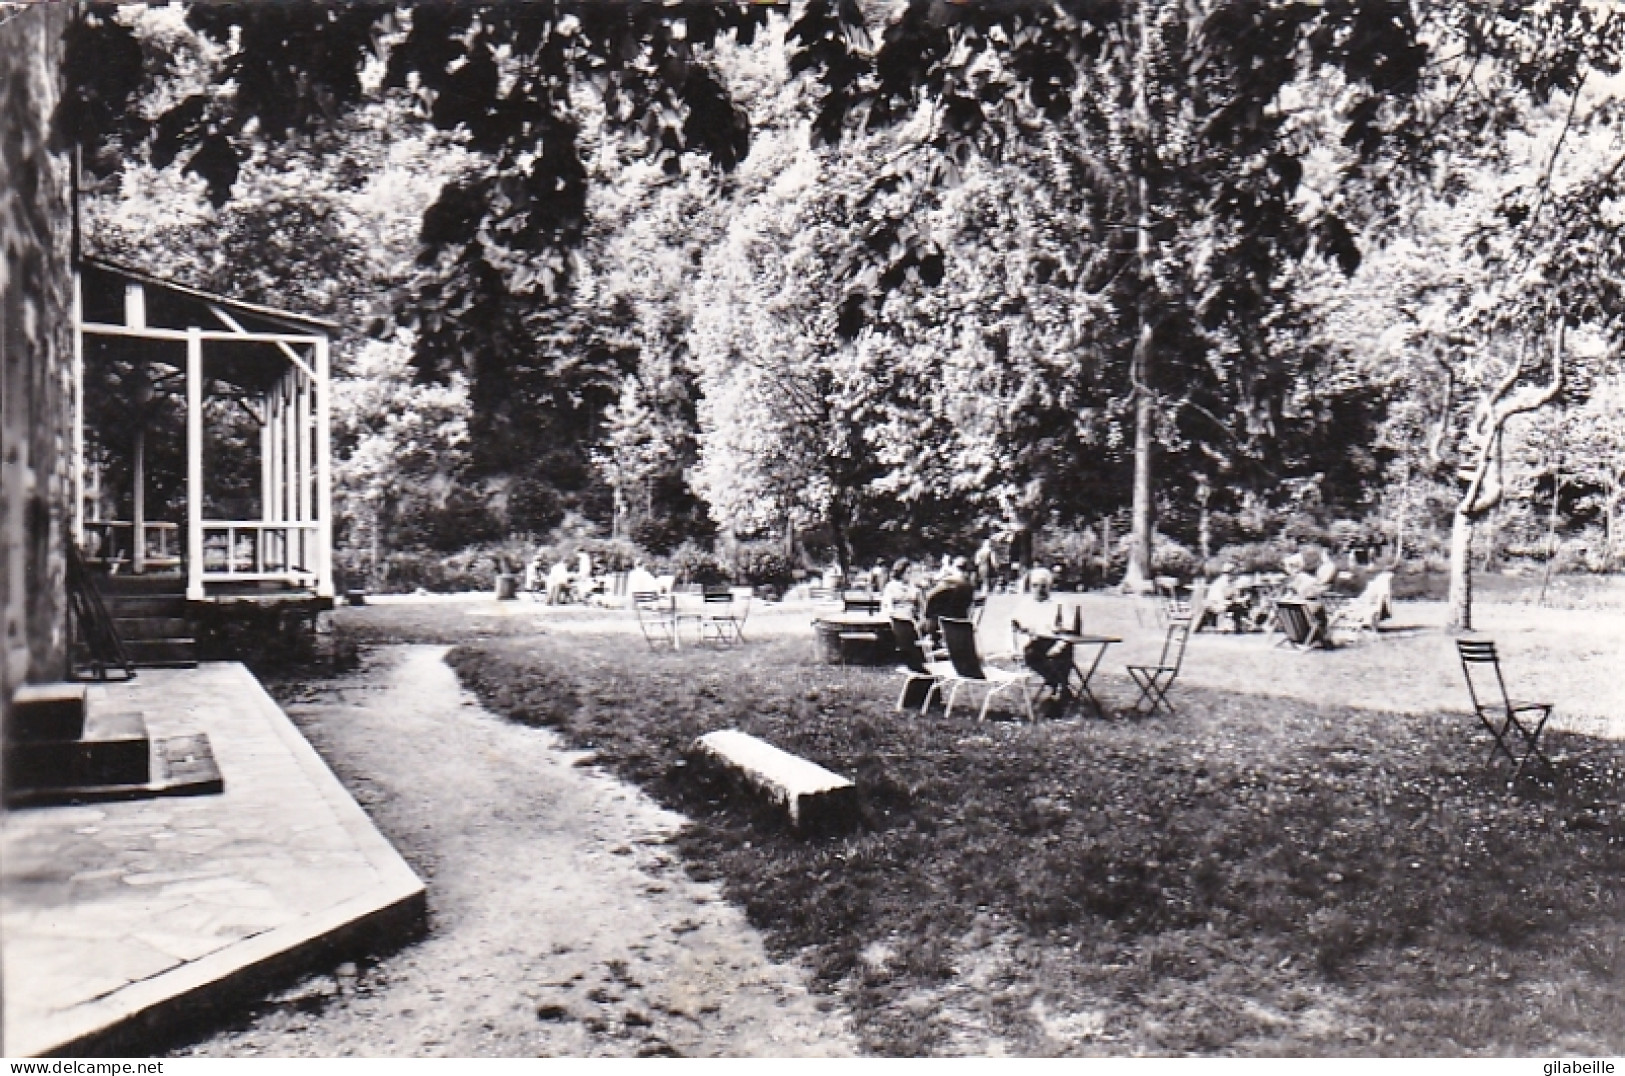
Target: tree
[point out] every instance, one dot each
(1183, 126)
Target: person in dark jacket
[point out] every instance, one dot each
(951, 596)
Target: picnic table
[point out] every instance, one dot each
(1085, 648)
(861, 638)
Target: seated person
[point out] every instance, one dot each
(1040, 581)
(951, 597)
(1326, 571)
(1308, 590)
(1226, 599)
(1030, 626)
(900, 597)
(641, 580)
(558, 583)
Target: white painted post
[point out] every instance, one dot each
(262, 540)
(324, 470)
(301, 430)
(135, 306)
(194, 464)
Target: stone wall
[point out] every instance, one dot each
(36, 357)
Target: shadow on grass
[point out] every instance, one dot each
(1252, 876)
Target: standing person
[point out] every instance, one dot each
(878, 577)
(987, 565)
(583, 578)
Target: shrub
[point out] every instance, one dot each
(1076, 551)
(464, 517)
(761, 563)
(1252, 557)
(534, 506)
(402, 573)
(1168, 557)
(691, 564)
(611, 554)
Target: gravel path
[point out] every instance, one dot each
(560, 922)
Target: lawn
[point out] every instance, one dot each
(1256, 875)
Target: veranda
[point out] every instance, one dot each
(164, 378)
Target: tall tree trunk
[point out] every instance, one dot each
(1138, 575)
(1551, 537)
(1139, 555)
(1460, 601)
(1204, 523)
(838, 528)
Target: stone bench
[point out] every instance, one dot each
(813, 796)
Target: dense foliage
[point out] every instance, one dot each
(877, 278)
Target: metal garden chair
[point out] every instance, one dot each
(1512, 722)
(1155, 680)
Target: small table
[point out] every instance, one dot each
(1080, 644)
(836, 629)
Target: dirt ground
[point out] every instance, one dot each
(560, 923)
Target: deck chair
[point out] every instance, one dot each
(916, 669)
(960, 635)
(1367, 612)
(657, 618)
(1514, 723)
(1155, 680)
(1299, 630)
(722, 620)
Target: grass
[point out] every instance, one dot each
(1253, 876)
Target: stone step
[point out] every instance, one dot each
(161, 583)
(177, 766)
(142, 605)
(48, 712)
(152, 627)
(815, 798)
(162, 653)
(113, 750)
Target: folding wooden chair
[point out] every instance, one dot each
(720, 620)
(1500, 712)
(1299, 630)
(1155, 680)
(960, 635)
(657, 618)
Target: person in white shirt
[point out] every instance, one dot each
(900, 597)
(641, 580)
(558, 583)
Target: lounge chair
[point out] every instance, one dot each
(1367, 612)
(960, 636)
(1300, 629)
(916, 669)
